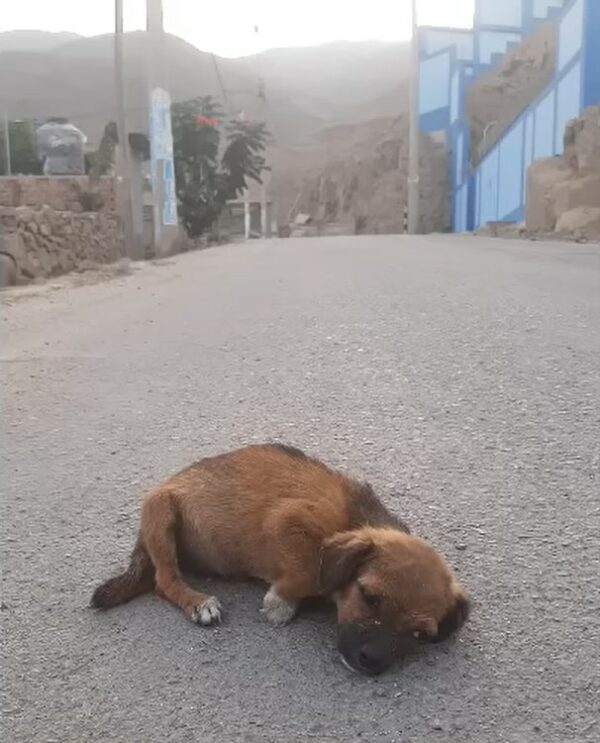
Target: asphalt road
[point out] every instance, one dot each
(460, 375)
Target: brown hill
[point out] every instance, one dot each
(34, 41)
(41, 76)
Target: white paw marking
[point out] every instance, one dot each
(277, 610)
(207, 613)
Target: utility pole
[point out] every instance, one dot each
(247, 223)
(265, 227)
(263, 204)
(266, 171)
(7, 145)
(122, 159)
(164, 200)
(413, 156)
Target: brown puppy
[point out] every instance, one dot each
(273, 513)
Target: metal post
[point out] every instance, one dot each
(7, 145)
(413, 158)
(263, 210)
(165, 227)
(246, 215)
(122, 159)
(266, 172)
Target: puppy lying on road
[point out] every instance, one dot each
(273, 513)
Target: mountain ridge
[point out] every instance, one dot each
(307, 88)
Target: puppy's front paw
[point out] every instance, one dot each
(277, 610)
(207, 613)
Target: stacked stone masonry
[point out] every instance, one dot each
(46, 242)
(63, 193)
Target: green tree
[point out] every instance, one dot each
(23, 157)
(207, 172)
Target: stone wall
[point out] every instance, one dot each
(46, 242)
(63, 193)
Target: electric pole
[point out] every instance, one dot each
(265, 175)
(122, 160)
(413, 156)
(164, 200)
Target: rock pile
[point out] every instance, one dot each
(563, 193)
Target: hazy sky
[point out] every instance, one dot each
(226, 26)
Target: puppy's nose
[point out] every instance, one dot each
(370, 660)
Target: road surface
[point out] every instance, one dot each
(460, 375)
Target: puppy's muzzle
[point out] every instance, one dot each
(366, 648)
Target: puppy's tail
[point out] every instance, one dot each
(136, 580)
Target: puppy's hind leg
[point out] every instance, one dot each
(158, 522)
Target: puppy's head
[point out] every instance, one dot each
(388, 586)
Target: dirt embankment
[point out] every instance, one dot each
(563, 193)
(353, 179)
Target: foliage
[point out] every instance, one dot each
(23, 157)
(99, 162)
(206, 175)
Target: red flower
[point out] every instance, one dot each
(206, 121)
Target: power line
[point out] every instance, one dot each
(221, 85)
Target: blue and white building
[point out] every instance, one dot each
(452, 59)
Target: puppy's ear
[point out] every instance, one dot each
(341, 557)
(454, 618)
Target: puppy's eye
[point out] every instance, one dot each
(372, 600)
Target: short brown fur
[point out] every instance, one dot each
(270, 512)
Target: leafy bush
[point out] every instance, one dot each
(208, 173)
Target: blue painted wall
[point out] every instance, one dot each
(434, 92)
(570, 34)
(500, 13)
(455, 96)
(433, 40)
(543, 139)
(432, 95)
(510, 178)
(488, 187)
(494, 42)
(568, 103)
(460, 216)
(591, 54)
(542, 7)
